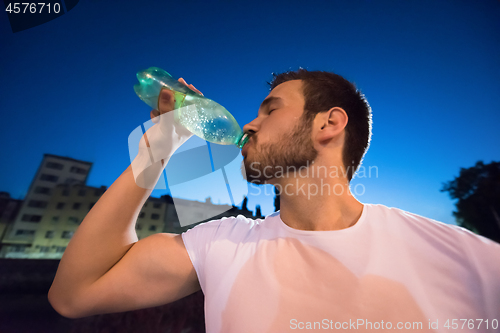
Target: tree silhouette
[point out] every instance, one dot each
(477, 190)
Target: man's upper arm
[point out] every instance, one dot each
(155, 271)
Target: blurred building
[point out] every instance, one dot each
(200, 211)
(151, 219)
(66, 208)
(41, 226)
(9, 208)
(53, 170)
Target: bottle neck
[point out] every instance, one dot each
(242, 140)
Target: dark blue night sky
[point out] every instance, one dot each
(430, 70)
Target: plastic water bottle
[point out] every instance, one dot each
(200, 115)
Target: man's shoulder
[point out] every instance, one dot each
(429, 229)
(394, 216)
(234, 222)
(231, 227)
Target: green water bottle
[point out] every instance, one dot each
(200, 115)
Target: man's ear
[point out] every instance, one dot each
(330, 124)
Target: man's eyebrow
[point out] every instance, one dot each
(269, 100)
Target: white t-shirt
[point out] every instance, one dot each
(392, 270)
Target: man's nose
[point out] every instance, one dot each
(251, 128)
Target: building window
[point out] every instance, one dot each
(155, 216)
(21, 232)
(91, 205)
(42, 190)
(49, 178)
(49, 234)
(152, 228)
(65, 192)
(31, 218)
(138, 226)
(76, 205)
(54, 165)
(78, 170)
(67, 234)
(37, 204)
(60, 248)
(157, 205)
(141, 214)
(73, 181)
(44, 249)
(55, 219)
(60, 205)
(82, 192)
(17, 248)
(73, 220)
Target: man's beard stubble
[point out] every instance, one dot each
(294, 150)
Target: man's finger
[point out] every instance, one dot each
(190, 86)
(194, 89)
(166, 101)
(154, 114)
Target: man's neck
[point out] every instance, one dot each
(318, 203)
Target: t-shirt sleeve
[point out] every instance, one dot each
(198, 241)
(213, 239)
